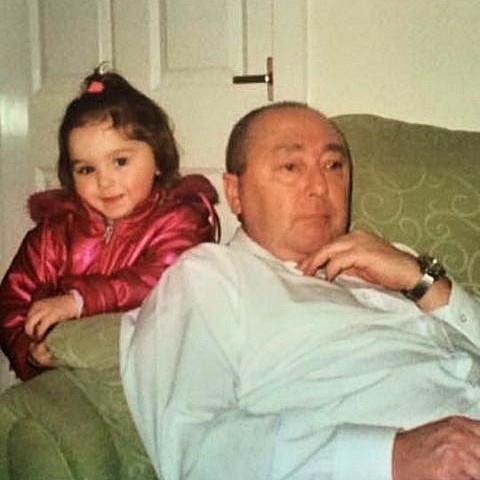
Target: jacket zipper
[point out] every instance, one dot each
(108, 230)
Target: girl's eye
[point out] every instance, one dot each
(121, 161)
(85, 170)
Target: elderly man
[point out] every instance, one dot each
(301, 351)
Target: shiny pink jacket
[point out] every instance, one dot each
(113, 266)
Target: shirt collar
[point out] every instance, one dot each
(243, 241)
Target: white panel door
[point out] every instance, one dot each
(183, 53)
(193, 50)
(194, 60)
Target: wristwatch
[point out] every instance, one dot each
(432, 270)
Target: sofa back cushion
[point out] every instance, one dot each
(419, 185)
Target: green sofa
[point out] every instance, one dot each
(415, 184)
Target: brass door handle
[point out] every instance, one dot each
(264, 78)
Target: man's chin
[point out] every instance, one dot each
(314, 241)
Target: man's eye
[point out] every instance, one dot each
(85, 170)
(335, 165)
(289, 166)
(121, 161)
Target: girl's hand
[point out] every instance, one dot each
(39, 355)
(47, 312)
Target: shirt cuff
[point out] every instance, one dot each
(79, 302)
(364, 453)
(462, 312)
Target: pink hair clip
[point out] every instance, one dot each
(95, 87)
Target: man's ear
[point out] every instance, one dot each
(232, 194)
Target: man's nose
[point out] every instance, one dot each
(316, 182)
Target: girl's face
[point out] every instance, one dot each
(111, 172)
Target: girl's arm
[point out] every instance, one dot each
(31, 276)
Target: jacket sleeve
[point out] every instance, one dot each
(30, 276)
(181, 228)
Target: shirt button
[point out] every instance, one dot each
(463, 318)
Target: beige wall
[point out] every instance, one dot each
(417, 60)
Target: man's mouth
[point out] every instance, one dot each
(314, 217)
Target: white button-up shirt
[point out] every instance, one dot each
(239, 367)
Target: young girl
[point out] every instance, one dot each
(122, 217)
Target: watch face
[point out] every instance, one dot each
(431, 266)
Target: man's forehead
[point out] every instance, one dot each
(292, 147)
(285, 121)
(291, 127)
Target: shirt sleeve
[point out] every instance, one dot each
(463, 313)
(181, 364)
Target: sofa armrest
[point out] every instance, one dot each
(90, 342)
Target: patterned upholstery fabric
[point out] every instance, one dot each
(419, 185)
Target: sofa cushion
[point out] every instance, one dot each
(73, 421)
(419, 185)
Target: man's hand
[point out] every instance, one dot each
(366, 256)
(377, 261)
(39, 355)
(47, 312)
(448, 449)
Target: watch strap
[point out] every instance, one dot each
(420, 289)
(431, 270)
